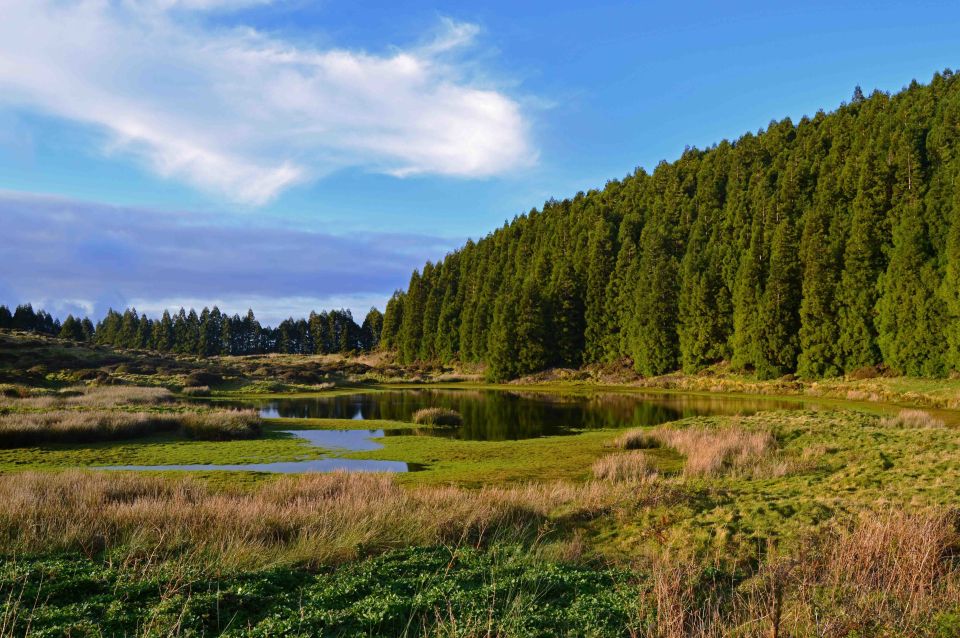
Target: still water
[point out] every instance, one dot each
(488, 415)
(498, 415)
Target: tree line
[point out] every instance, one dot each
(208, 333)
(818, 247)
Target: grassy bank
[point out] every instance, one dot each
(358, 555)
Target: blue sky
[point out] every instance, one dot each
(289, 155)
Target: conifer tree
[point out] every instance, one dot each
(601, 262)
(951, 291)
(392, 321)
(857, 294)
(910, 313)
(778, 323)
(819, 331)
(703, 319)
(654, 345)
(71, 329)
(503, 346)
(531, 330)
(371, 329)
(566, 313)
(747, 303)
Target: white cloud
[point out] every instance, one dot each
(248, 115)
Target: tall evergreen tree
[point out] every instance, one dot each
(597, 319)
(910, 313)
(779, 320)
(654, 343)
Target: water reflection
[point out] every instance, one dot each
(504, 415)
(349, 440)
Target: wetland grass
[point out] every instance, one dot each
(438, 416)
(18, 429)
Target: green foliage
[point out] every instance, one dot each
(779, 321)
(816, 247)
(911, 315)
(403, 592)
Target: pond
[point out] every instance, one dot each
(499, 415)
(488, 415)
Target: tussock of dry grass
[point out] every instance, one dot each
(196, 391)
(885, 573)
(220, 425)
(310, 518)
(709, 451)
(85, 426)
(437, 416)
(95, 397)
(892, 554)
(627, 466)
(912, 419)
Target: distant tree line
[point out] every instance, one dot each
(209, 333)
(817, 248)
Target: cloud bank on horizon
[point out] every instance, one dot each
(75, 257)
(244, 114)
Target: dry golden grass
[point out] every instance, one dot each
(437, 416)
(93, 397)
(310, 519)
(912, 419)
(627, 466)
(884, 573)
(709, 451)
(892, 556)
(83, 426)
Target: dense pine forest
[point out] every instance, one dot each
(818, 248)
(208, 333)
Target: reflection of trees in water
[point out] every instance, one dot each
(499, 415)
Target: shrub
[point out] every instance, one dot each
(201, 377)
(866, 372)
(437, 416)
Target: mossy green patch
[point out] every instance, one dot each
(474, 463)
(161, 450)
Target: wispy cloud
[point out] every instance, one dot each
(247, 114)
(69, 256)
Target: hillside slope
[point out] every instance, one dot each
(817, 247)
